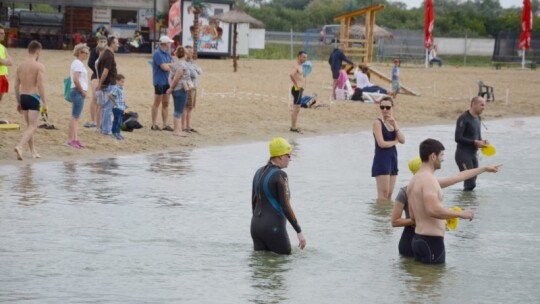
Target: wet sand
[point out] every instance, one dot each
(253, 104)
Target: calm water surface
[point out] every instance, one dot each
(174, 227)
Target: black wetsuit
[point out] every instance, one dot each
(467, 131)
(271, 210)
(405, 242)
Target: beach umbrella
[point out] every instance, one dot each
(526, 26)
(428, 27)
(234, 17)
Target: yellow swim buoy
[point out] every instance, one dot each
(488, 150)
(453, 222)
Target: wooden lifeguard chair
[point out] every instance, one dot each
(361, 50)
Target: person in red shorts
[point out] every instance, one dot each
(5, 61)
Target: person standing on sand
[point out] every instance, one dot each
(161, 66)
(297, 78)
(195, 72)
(5, 61)
(395, 78)
(336, 61)
(468, 137)
(30, 95)
(426, 206)
(107, 80)
(78, 92)
(95, 109)
(179, 86)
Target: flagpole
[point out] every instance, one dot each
(523, 58)
(427, 57)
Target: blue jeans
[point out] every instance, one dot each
(117, 122)
(436, 60)
(77, 99)
(106, 111)
(180, 99)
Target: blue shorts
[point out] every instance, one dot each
(161, 89)
(77, 99)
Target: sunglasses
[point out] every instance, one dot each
(386, 107)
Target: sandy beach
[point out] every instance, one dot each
(253, 104)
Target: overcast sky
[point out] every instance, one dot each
(504, 3)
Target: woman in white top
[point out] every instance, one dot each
(79, 89)
(362, 82)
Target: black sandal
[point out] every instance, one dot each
(297, 130)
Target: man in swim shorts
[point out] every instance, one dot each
(271, 205)
(5, 61)
(30, 94)
(297, 78)
(468, 137)
(426, 206)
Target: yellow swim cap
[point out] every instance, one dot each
(452, 223)
(279, 146)
(414, 164)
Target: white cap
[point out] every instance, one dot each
(165, 39)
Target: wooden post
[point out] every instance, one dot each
(235, 40)
(370, 38)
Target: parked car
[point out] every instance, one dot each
(329, 33)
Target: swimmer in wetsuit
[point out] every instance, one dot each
(30, 94)
(270, 203)
(468, 137)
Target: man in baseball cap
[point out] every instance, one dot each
(160, 74)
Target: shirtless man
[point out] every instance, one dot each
(426, 206)
(30, 94)
(297, 78)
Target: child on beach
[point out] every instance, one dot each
(116, 96)
(395, 78)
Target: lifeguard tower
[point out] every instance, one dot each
(361, 50)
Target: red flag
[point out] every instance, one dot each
(526, 26)
(175, 20)
(428, 24)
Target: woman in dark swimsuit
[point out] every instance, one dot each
(387, 135)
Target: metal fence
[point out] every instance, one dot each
(407, 44)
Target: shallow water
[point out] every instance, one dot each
(174, 227)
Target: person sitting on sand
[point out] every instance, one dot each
(30, 94)
(362, 82)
